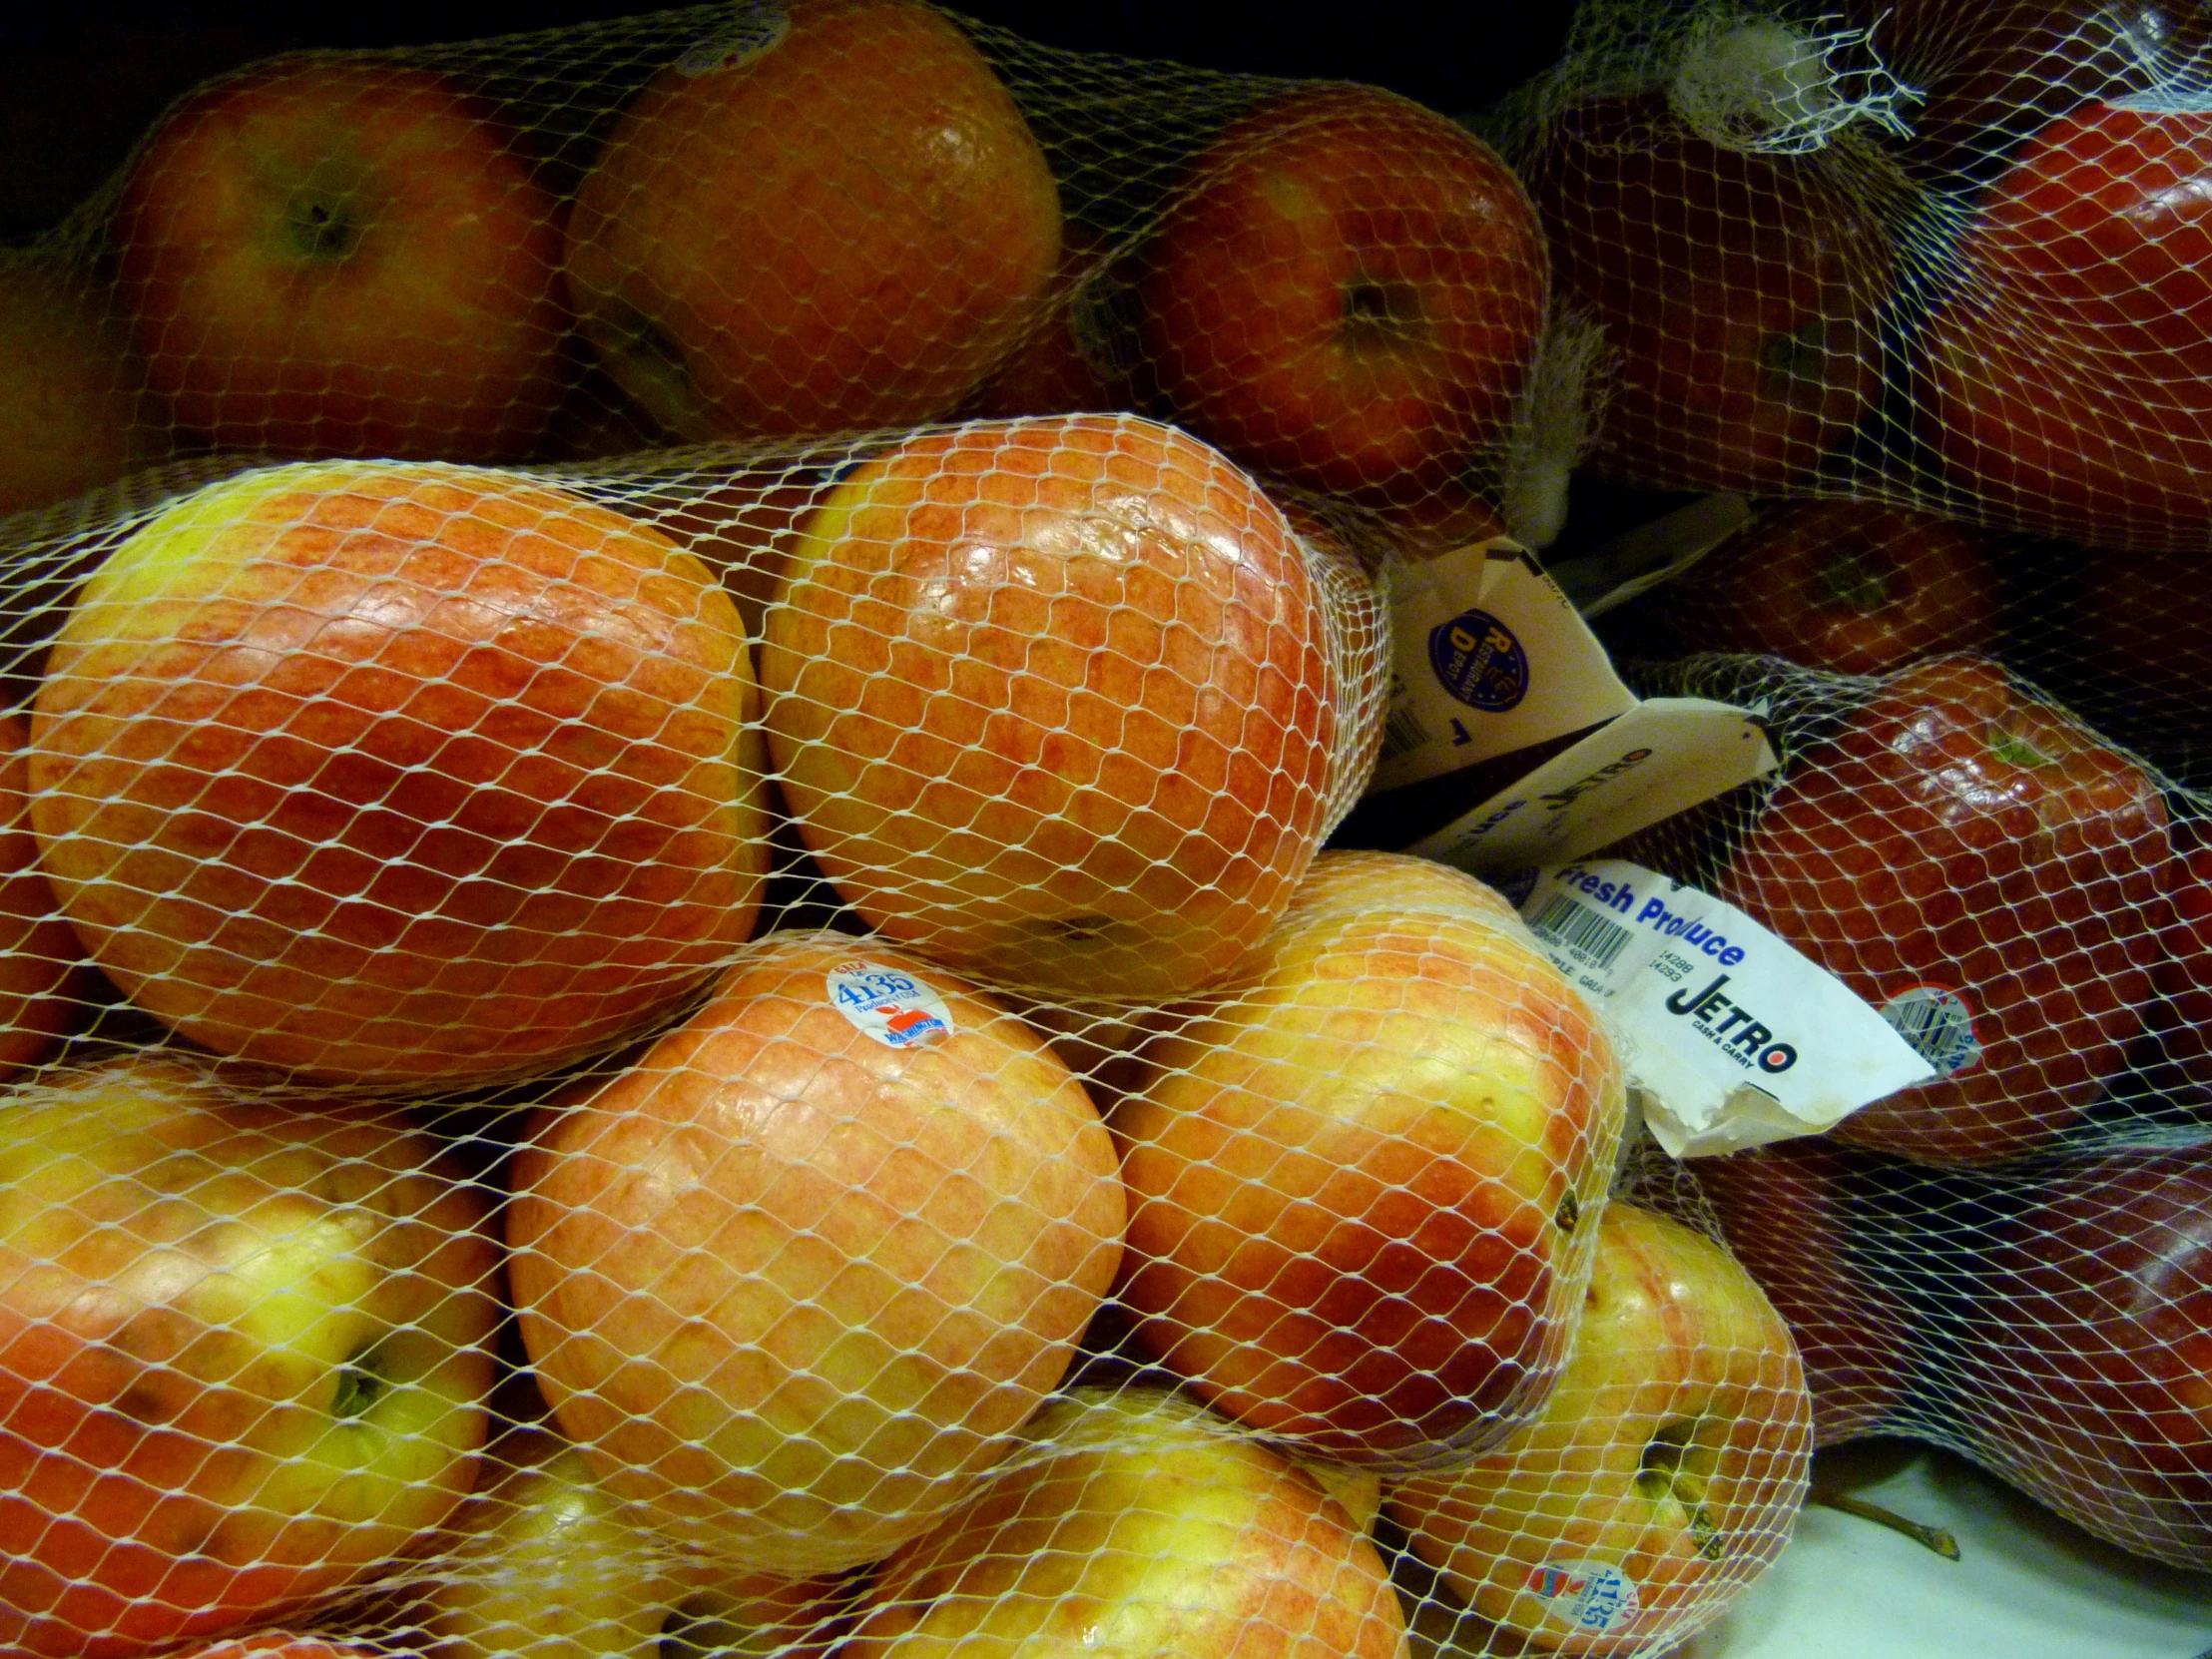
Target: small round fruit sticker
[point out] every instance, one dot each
(754, 27)
(1590, 1595)
(1478, 661)
(1938, 1025)
(888, 1004)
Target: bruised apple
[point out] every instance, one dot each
(1347, 295)
(1364, 1181)
(1133, 1523)
(400, 773)
(1059, 701)
(1664, 1476)
(824, 216)
(545, 1564)
(794, 1277)
(246, 1346)
(328, 255)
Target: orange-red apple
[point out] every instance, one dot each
(325, 255)
(794, 1279)
(1364, 1181)
(1134, 1524)
(1347, 295)
(46, 986)
(400, 772)
(285, 1644)
(245, 1346)
(1057, 701)
(1664, 1476)
(72, 413)
(842, 223)
(546, 1563)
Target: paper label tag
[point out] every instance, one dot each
(1489, 657)
(1660, 758)
(1730, 1037)
(1589, 1595)
(888, 1004)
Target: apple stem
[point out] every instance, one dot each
(1938, 1539)
(359, 1387)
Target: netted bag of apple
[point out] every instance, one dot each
(1663, 1477)
(397, 775)
(1978, 864)
(247, 1349)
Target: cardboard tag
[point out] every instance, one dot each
(1730, 1036)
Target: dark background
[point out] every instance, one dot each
(80, 82)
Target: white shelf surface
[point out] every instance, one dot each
(2027, 1585)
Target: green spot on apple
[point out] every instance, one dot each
(360, 1386)
(2017, 751)
(1795, 362)
(1849, 580)
(1381, 315)
(317, 226)
(1674, 1467)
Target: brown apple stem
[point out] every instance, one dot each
(1938, 1539)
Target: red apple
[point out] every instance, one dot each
(1059, 701)
(794, 1278)
(2067, 379)
(72, 413)
(1858, 587)
(1738, 291)
(1794, 1215)
(245, 1352)
(1664, 1476)
(838, 220)
(545, 1564)
(1365, 1178)
(2082, 1363)
(1346, 294)
(327, 255)
(280, 1644)
(1134, 1524)
(401, 774)
(46, 986)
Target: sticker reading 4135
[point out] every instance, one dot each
(1589, 1595)
(888, 1004)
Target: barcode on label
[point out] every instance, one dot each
(1403, 732)
(1592, 938)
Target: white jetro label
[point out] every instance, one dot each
(1589, 1595)
(888, 1004)
(1938, 1024)
(753, 27)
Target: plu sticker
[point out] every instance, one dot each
(1477, 658)
(753, 29)
(1937, 1023)
(1589, 1595)
(888, 1004)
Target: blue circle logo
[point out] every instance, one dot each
(1478, 661)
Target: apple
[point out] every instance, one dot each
(1665, 1474)
(245, 1344)
(285, 1644)
(1134, 1524)
(546, 1564)
(1059, 701)
(1347, 295)
(1853, 586)
(836, 220)
(1067, 362)
(401, 774)
(2179, 1059)
(2082, 1364)
(794, 1278)
(331, 256)
(72, 413)
(1737, 293)
(1365, 1179)
(1798, 1216)
(46, 986)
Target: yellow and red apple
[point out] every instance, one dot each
(1057, 701)
(837, 220)
(1347, 295)
(1134, 1524)
(794, 1278)
(1364, 1179)
(329, 255)
(401, 774)
(246, 1348)
(1664, 1476)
